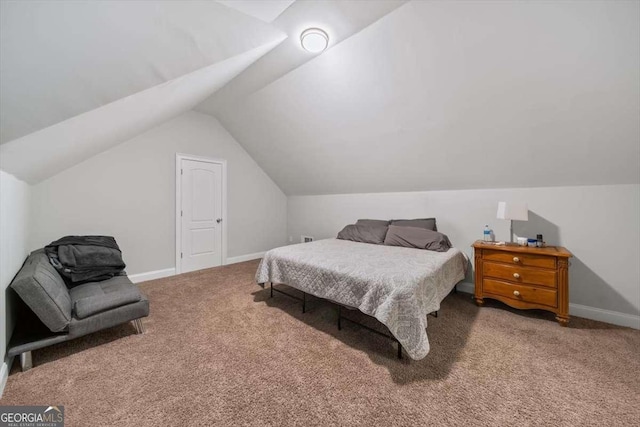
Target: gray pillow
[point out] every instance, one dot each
(364, 233)
(426, 223)
(375, 222)
(419, 238)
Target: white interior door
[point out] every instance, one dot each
(201, 231)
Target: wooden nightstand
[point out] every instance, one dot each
(524, 277)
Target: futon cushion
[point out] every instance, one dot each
(43, 290)
(426, 223)
(96, 297)
(414, 237)
(364, 233)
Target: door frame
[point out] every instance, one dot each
(178, 183)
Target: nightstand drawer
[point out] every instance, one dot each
(519, 275)
(522, 293)
(526, 260)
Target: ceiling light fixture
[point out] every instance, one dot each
(314, 40)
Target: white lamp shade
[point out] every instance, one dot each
(513, 211)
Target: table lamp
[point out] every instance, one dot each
(513, 211)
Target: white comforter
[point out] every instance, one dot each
(398, 286)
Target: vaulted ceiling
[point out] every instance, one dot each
(78, 77)
(409, 96)
(445, 95)
(340, 19)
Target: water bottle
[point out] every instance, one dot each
(487, 234)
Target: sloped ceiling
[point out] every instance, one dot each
(409, 96)
(79, 77)
(444, 95)
(340, 19)
(43, 154)
(265, 10)
(64, 58)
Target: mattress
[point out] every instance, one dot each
(398, 286)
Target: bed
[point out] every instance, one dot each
(398, 286)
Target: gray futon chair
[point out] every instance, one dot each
(56, 313)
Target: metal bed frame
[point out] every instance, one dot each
(341, 317)
(303, 299)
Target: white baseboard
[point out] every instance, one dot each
(4, 375)
(602, 315)
(243, 258)
(159, 274)
(593, 313)
(152, 275)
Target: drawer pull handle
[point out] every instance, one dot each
(516, 259)
(516, 275)
(516, 293)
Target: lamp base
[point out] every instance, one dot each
(511, 230)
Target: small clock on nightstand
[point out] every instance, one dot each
(524, 277)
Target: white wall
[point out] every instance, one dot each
(14, 215)
(598, 224)
(129, 192)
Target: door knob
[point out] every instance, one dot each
(516, 259)
(219, 220)
(516, 275)
(516, 293)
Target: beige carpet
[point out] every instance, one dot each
(218, 351)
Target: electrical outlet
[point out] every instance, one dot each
(290, 239)
(306, 239)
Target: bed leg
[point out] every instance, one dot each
(339, 318)
(304, 302)
(399, 350)
(271, 290)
